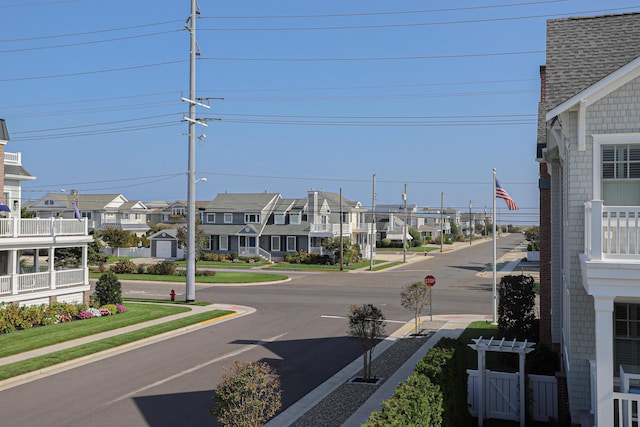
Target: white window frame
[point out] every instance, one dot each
(252, 218)
(223, 243)
(607, 139)
(279, 219)
(295, 218)
(291, 243)
(211, 218)
(275, 243)
(228, 218)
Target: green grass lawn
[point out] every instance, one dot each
(219, 277)
(31, 339)
(321, 267)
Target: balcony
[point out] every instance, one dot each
(611, 232)
(35, 227)
(329, 230)
(28, 283)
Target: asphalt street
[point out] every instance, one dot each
(298, 327)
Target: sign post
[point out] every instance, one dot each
(430, 281)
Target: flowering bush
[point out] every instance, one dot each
(62, 318)
(104, 311)
(85, 315)
(121, 308)
(94, 311)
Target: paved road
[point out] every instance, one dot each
(296, 329)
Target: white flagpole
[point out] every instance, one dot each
(495, 307)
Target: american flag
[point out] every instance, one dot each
(501, 193)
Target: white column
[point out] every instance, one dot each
(52, 267)
(604, 356)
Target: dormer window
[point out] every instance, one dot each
(251, 218)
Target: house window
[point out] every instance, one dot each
(250, 218)
(223, 242)
(291, 243)
(627, 334)
(278, 219)
(294, 218)
(211, 218)
(228, 218)
(620, 174)
(275, 243)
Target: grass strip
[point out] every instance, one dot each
(44, 361)
(219, 277)
(43, 336)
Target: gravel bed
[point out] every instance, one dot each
(345, 400)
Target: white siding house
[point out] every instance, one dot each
(33, 279)
(591, 148)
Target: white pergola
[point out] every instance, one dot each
(503, 346)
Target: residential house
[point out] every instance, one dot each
(269, 225)
(393, 221)
(589, 150)
(100, 210)
(28, 274)
(172, 215)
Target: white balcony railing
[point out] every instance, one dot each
(611, 232)
(31, 282)
(331, 229)
(33, 227)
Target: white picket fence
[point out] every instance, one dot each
(503, 396)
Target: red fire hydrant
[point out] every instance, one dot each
(173, 295)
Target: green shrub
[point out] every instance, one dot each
(516, 315)
(111, 307)
(415, 403)
(124, 266)
(108, 289)
(166, 267)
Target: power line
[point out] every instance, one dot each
(408, 12)
(421, 24)
(383, 58)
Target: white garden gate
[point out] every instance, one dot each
(503, 396)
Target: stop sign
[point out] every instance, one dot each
(429, 280)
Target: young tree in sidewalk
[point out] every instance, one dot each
(247, 395)
(366, 325)
(414, 297)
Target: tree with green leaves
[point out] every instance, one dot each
(416, 238)
(367, 326)
(115, 237)
(247, 395)
(414, 297)
(108, 289)
(200, 239)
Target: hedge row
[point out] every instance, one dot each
(434, 395)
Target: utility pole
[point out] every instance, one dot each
(341, 237)
(372, 242)
(404, 226)
(441, 221)
(191, 172)
(470, 227)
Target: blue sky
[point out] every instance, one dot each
(316, 95)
